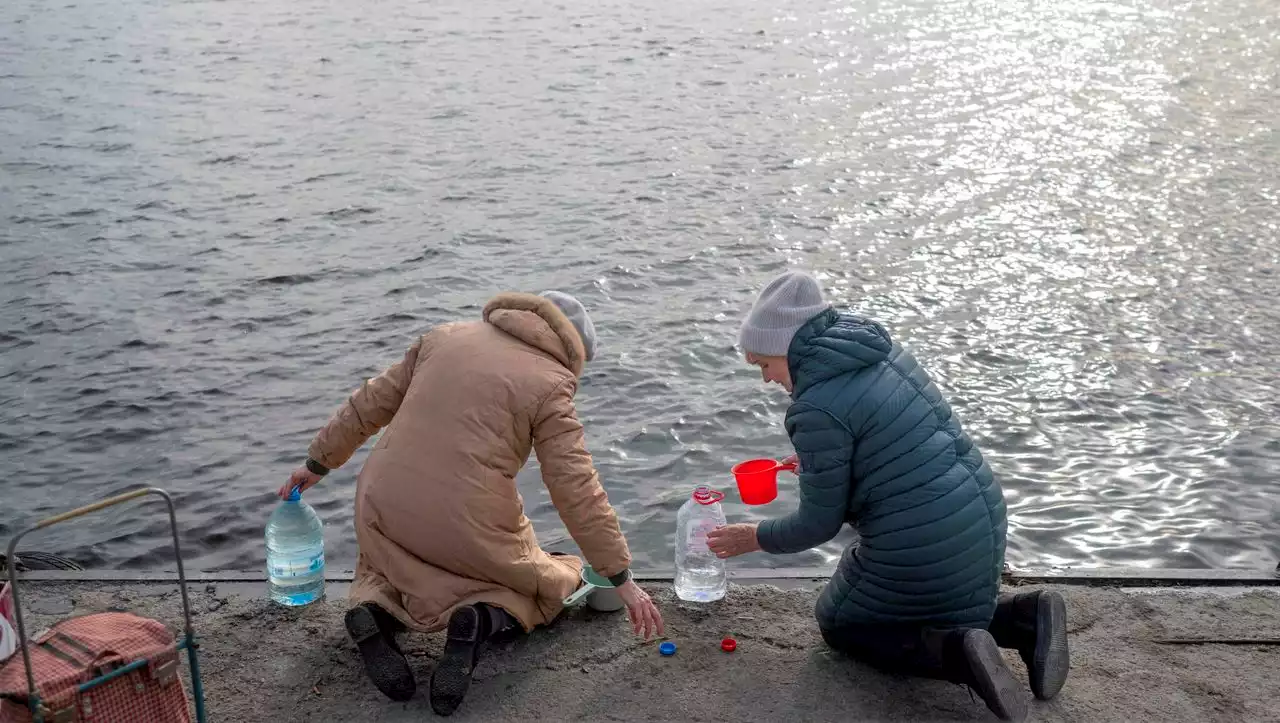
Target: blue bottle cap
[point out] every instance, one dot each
(667, 648)
(295, 494)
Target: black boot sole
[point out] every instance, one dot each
(1050, 662)
(452, 677)
(384, 665)
(991, 678)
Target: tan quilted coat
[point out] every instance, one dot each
(439, 521)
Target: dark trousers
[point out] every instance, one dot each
(500, 625)
(920, 650)
(497, 626)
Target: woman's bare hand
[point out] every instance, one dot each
(302, 478)
(793, 459)
(733, 540)
(640, 608)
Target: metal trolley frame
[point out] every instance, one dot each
(39, 712)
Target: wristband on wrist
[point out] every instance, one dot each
(316, 468)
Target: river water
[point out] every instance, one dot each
(216, 218)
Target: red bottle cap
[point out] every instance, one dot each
(728, 645)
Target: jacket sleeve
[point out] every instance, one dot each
(825, 449)
(368, 409)
(570, 477)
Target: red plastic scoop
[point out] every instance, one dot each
(758, 480)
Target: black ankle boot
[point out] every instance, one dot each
(1035, 624)
(971, 657)
(468, 629)
(471, 630)
(373, 630)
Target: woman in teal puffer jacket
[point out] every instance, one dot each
(879, 448)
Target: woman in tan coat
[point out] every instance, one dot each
(443, 538)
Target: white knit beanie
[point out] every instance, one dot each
(785, 305)
(577, 314)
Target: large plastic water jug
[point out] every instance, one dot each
(295, 553)
(700, 575)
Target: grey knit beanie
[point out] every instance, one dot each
(784, 306)
(577, 314)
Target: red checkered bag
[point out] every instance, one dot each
(83, 649)
(8, 628)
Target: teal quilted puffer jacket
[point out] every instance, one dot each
(880, 449)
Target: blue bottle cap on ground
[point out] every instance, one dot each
(295, 494)
(667, 648)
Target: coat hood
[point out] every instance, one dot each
(831, 344)
(538, 322)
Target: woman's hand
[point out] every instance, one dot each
(733, 540)
(793, 459)
(640, 608)
(302, 478)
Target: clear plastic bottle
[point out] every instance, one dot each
(295, 553)
(700, 575)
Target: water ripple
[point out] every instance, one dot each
(1066, 210)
